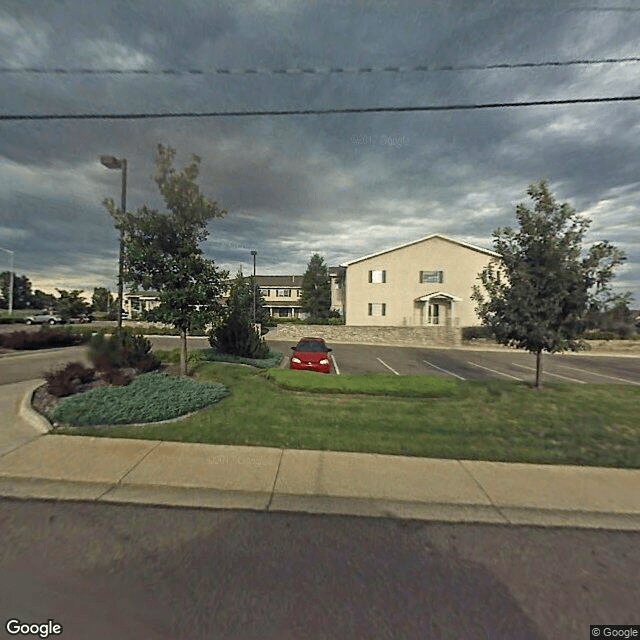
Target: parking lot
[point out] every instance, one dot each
(467, 364)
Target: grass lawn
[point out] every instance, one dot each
(595, 425)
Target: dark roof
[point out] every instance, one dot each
(279, 281)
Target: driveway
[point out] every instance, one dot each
(466, 364)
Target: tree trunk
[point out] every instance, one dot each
(538, 367)
(183, 352)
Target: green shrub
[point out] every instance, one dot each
(236, 336)
(11, 320)
(64, 382)
(170, 357)
(45, 338)
(271, 361)
(600, 335)
(474, 333)
(124, 349)
(149, 398)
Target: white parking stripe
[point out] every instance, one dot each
(335, 365)
(445, 371)
(546, 373)
(388, 367)
(593, 373)
(494, 371)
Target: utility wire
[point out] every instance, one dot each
(305, 112)
(312, 70)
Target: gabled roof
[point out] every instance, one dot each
(408, 244)
(438, 294)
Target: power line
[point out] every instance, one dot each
(304, 112)
(314, 70)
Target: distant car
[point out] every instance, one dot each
(311, 354)
(84, 318)
(43, 317)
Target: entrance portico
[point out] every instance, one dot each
(437, 308)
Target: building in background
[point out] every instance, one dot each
(336, 277)
(282, 295)
(420, 283)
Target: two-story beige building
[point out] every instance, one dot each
(336, 280)
(425, 282)
(282, 295)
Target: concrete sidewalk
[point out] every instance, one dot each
(150, 472)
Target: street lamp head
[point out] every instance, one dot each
(253, 253)
(111, 162)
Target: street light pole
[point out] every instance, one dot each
(253, 253)
(113, 163)
(10, 279)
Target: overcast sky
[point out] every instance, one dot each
(342, 185)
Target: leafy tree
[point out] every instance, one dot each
(162, 251)
(22, 296)
(102, 300)
(316, 289)
(541, 290)
(70, 304)
(42, 300)
(236, 333)
(241, 293)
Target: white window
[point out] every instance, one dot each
(431, 276)
(377, 276)
(283, 293)
(264, 292)
(377, 309)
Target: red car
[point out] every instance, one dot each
(311, 354)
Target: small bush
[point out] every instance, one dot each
(271, 361)
(148, 362)
(475, 333)
(116, 377)
(10, 320)
(66, 381)
(123, 349)
(236, 336)
(43, 339)
(600, 335)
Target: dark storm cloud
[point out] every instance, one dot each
(342, 185)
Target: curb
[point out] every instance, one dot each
(26, 411)
(22, 488)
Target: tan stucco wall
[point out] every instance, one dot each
(461, 266)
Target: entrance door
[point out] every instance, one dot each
(433, 313)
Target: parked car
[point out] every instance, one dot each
(84, 318)
(43, 317)
(311, 354)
